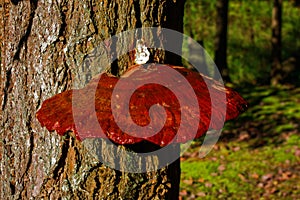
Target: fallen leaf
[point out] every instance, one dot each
(221, 168)
(188, 181)
(201, 194)
(266, 177)
(297, 152)
(183, 193)
(242, 177)
(208, 185)
(201, 180)
(214, 174)
(244, 136)
(255, 176)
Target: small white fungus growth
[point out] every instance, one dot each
(141, 52)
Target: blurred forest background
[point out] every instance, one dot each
(258, 155)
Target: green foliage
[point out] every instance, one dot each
(249, 35)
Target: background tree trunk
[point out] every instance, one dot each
(276, 67)
(221, 38)
(43, 46)
(297, 3)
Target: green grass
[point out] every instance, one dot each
(258, 155)
(237, 174)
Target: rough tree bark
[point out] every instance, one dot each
(276, 67)
(221, 38)
(43, 46)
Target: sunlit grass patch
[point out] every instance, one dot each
(231, 172)
(258, 155)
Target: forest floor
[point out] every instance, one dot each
(257, 156)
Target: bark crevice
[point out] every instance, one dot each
(24, 38)
(7, 87)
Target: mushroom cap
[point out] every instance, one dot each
(88, 111)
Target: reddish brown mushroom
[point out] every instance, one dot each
(61, 113)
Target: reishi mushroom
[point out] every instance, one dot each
(57, 112)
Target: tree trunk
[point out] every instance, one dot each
(221, 39)
(43, 46)
(297, 3)
(276, 67)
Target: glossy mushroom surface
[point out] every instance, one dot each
(95, 101)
